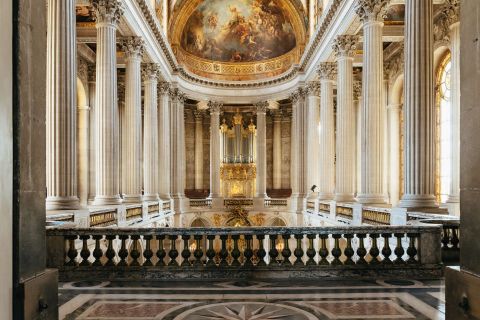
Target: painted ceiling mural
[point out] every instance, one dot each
(238, 31)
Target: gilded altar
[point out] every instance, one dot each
(238, 180)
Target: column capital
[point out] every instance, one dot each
(107, 11)
(198, 114)
(451, 11)
(134, 47)
(327, 71)
(298, 94)
(313, 88)
(357, 90)
(163, 88)
(261, 106)
(176, 94)
(150, 72)
(371, 10)
(345, 45)
(215, 106)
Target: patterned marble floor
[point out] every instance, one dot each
(253, 300)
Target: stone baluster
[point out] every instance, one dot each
(344, 47)
(313, 138)
(372, 130)
(107, 13)
(131, 131)
(61, 109)
(327, 73)
(150, 133)
(419, 108)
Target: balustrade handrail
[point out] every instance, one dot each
(59, 231)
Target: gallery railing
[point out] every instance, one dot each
(269, 203)
(216, 252)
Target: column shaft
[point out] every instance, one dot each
(108, 13)
(178, 150)
(198, 150)
(61, 159)
(150, 133)
(313, 137)
(215, 108)
(277, 151)
(164, 134)
(419, 168)
(261, 181)
(394, 147)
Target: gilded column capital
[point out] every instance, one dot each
(451, 11)
(134, 47)
(345, 45)
(371, 10)
(261, 106)
(357, 90)
(150, 72)
(327, 71)
(313, 88)
(107, 11)
(215, 106)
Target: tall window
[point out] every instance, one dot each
(444, 126)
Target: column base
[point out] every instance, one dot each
(418, 201)
(453, 199)
(325, 196)
(150, 197)
(132, 198)
(107, 200)
(368, 198)
(62, 203)
(344, 197)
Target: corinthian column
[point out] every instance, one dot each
(327, 73)
(372, 121)
(215, 108)
(313, 138)
(277, 150)
(419, 168)
(150, 133)
(61, 110)
(91, 144)
(107, 13)
(132, 130)
(357, 97)
(198, 149)
(451, 11)
(178, 149)
(345, 46)
(164, 141)
(261, 180)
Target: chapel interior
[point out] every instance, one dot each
(240, 159)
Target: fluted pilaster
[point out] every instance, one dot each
(372, 113)
(61, 109)
(92, 144)
(313, 137)
(150, 76)
(215, 108)
(198, 149)
(261, 180)
(327, 74)
(357, 95)
(345, 46)
(132, 130)
(164, 133)
(178, 149)
(107, 14)
(419, 112)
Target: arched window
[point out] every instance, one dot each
(444, 126)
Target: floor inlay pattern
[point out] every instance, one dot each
(282, 300)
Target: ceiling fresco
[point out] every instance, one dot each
(238, 31)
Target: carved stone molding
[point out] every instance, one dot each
(345, 45)
(327, 70)
(261, 106)
(107, 11)
(451, 11)
(313, 88)
(150, 71)
(215, 106)
(134, 47)
(371, 10)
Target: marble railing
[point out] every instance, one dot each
(276, 203)
(237, 202)
(201, 203)
(232, 252)
(450, 239)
